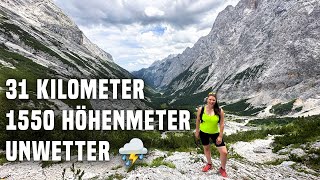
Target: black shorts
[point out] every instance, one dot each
(205, 137)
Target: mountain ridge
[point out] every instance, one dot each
(264, 51)
(45, 15)
(37, 33)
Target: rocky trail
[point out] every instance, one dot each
(251, 165)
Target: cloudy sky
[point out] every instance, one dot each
(138, 32)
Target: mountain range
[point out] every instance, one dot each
(259, 55)
(37, 40)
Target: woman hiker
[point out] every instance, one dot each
(211, 125)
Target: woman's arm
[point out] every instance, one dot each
(221, 123)
(198, 122)
(219, 139)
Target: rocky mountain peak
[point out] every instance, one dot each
(39, 12)
(256, 49)
(47, 17)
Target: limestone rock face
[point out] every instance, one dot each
(48, 18)
(261, 50)
(37, 32)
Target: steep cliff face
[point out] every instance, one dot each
(50, 19)
(37, 40)
(261, 50)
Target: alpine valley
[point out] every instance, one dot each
(261, 57)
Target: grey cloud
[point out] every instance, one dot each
(126, 12)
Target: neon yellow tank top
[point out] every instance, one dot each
(210, 123)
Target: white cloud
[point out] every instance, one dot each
(152, 11)
(135, 146)
(137, 33)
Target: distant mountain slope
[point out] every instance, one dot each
(262, 51)
(152, 75)
(38, 41)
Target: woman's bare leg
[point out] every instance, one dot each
(207, 153)
(223, 156)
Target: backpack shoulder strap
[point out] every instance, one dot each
(201, 113)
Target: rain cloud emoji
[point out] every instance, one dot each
(134, 149)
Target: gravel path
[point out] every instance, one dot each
(187, 166)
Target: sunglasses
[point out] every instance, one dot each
(211, 93)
